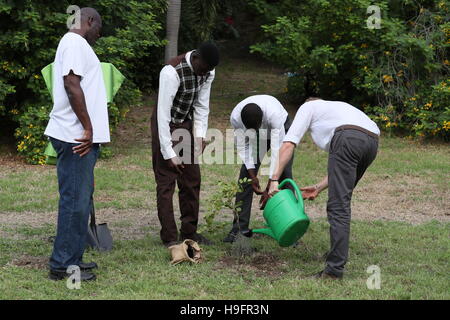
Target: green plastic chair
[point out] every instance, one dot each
(113, 79)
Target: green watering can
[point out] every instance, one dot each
(285, 216)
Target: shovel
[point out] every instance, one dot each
(98, 237)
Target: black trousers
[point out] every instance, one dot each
(351, 153)
(246, 197)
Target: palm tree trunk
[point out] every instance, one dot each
(173, 26)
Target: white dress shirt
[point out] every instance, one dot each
(75, 54)
(169, 82)
(274, 117)
(322, 118)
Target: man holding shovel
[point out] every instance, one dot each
(351, 139)
(78, 124)
(183, 102)
(264, 117)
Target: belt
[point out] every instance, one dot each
(353, 127)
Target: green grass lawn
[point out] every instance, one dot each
(400, 221)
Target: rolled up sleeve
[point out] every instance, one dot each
(168, 87)
(300, 125)
(201, 108)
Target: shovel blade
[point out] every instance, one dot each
(99, 237)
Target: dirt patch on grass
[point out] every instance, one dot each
(30, 262)
(124, 224)
(402, 198)
(260, 264)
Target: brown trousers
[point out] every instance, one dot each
(188, 185)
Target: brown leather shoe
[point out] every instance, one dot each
(197, 237)
(171, 243)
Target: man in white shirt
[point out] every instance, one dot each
(78, 124)
(183, 104)
(351, 139)
(260, 123)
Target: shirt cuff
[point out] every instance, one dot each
(289, 139)
(168, 153)
(199, 133)
(249, 166)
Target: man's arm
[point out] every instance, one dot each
(285, 155)
(299, 126)
(311, 192)
(201, 113)
(72, 85)
(245, 150)
(168, 87)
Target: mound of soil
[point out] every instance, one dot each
(30, 262)
(261, 264)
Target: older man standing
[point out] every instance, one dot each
(183, 103)
(351, 139)
(78, 124)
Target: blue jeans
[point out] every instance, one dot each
(76, 186)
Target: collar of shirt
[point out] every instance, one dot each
(188, 60)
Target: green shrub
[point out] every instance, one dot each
(32, 124)
(30, 31)
(397, 73)
(223, 199)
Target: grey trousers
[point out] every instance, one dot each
(351, 153)
(246, 197)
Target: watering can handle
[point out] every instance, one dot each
(297, 190)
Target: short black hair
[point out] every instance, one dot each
(209, 53)
(251, 116)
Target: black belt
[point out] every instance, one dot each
(353, 127)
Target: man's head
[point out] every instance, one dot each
(251, 116)
(205, 58)
(312, 99)
(91, 25)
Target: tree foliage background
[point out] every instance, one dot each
(133, 39)
(399, 74)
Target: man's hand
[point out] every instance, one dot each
(176, 164)
(255, 181)
(273, 188)
(264, 198)
(200, 145)
(256, 187)
(86, 144)
(310, 192)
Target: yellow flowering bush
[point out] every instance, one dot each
(29, 35)
(31, 140)
(398, 74)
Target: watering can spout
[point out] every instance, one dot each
(265, 231)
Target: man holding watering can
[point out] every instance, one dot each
(351, 139)
(260, 122)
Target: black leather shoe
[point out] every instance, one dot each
(326, 276)
(88, 266)
(197, 237)
(61, 274)
(230, 238)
